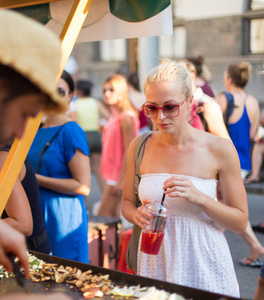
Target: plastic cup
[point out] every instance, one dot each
(152, 235)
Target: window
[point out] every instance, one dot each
(253, 28)
(257, 4)
(173, 46)
(257, 36)
(112, 50)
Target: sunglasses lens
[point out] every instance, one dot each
(150, 111)
(171, 110)
(61, 92)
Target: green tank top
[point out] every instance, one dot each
(87, 113)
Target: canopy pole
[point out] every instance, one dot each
(20, 147)
(10, 4)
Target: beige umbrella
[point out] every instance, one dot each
(108, 19)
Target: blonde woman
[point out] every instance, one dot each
(186, 164)
(121, 128)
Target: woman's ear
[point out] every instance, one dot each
(189, 100)
(229, 80)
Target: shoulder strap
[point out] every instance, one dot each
(200, 113)
(139, 152)
(229, 108)
(47, 146)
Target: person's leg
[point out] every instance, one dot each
(95, 168)
(255, 248)
(259, 295)
(95, 146)
(110, 203)
(257, 158)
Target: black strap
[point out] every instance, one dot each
(47, 146)
(139, 152)
(200, 113)
(34, 243)
(229, 108)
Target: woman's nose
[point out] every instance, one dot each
(161, 114)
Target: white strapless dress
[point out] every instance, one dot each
(194, 251)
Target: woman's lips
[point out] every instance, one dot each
(163, 125)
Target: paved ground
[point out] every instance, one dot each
(247, 277)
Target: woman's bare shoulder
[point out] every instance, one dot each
(220, 145)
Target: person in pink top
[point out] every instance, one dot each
(121, 128)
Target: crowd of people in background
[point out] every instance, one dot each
(203, 150)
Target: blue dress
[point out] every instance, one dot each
(65, 215)
(240, 135)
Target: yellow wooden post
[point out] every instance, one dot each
(15, 160)
(20, 147)
(22, 3)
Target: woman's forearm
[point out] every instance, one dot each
(128, 210)
(25, 227)
(67, 186)
(231, 218)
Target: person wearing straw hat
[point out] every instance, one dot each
(30, 58)
(186, 164)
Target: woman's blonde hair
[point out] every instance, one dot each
(119, 84)
(169, 70)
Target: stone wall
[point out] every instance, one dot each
(215, 37)
(92, 69)
(220, 41)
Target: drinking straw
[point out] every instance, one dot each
(160, 210)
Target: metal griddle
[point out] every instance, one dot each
(9, 285)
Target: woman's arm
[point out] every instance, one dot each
(222, 102)
(232, 214)
(19, 211)
(129, 202)
(127, 129)
(80, 182)
(253, 112)
(215, 123)
(261, 120)
(17, 207)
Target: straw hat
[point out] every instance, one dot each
(33, 51)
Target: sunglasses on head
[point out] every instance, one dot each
(110, 90)
(62, 92)
(168, 110)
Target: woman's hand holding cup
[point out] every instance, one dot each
(142, 217)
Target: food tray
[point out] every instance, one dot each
(9, 285)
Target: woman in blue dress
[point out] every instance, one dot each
(63, 175)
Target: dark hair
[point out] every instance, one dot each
(198, 63)
(16, 84)
(239, 73)
(84, 86)
(67, 77)
(132, 79)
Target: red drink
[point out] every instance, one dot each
(151, 241)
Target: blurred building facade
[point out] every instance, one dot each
(223, 32)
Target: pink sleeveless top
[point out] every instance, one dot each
(112, 142)
(195, 120)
